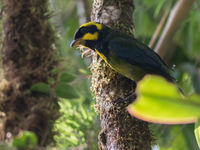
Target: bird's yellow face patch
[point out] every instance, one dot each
(99, 26)
(90, 36)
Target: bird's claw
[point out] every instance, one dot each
(87, 53)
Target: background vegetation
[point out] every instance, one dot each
(183, 57)
(78, 126)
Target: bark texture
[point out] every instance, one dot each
(120, 131)
(28, 57)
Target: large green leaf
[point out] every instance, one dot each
(160, 102)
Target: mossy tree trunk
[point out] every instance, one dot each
(28, 56)
(120, 131)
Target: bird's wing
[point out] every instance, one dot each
(136, 53)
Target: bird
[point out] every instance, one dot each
(123, 53)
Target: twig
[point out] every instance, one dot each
(176, 17)
(159, 27)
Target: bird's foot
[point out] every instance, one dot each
(85, 51)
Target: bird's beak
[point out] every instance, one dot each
(77, 42)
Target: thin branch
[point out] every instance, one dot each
(159, 27)
(177, 15)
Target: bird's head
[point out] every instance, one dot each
(87, 34)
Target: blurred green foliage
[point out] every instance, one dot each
(78, 126)
(25, 141)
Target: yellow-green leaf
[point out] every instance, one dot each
(159, 101)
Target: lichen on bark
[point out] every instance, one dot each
(29, 55)
(119, 129)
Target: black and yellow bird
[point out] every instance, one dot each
(123, 53)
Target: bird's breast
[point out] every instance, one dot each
(123, 67)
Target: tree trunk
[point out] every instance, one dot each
(120, 131)
(28, 57)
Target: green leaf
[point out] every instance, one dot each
(197, 132)
(41, 87)
(51, 80)
(27, 140)
(66, 77)
(160, 101)
(65, 91)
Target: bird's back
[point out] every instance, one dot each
(132, 58)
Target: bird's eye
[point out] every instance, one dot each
(82, 29)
